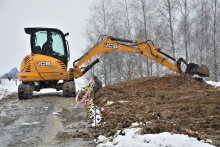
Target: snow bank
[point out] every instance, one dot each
(6, 90)
(132, 138)
(48, 90)
(215, 84)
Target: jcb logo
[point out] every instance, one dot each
(43, 63)
(110, 45)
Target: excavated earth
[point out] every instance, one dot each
(171, 103)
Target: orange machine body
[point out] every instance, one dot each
(38, 67)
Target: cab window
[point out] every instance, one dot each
(48, 43)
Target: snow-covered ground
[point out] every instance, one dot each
(131, 136)
(7, 87)
(216, 84)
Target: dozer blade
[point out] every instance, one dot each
(202, 70)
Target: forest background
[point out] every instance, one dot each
(180, 28)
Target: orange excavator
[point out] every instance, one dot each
(46, 66)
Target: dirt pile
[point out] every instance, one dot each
(170, 103)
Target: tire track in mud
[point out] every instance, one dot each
(32, 122)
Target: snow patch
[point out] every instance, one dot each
(132, 138)
(215, 84)
(7, 90)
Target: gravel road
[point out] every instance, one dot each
(44, 121)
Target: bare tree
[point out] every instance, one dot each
(126, 68)
(215, 20)
(188, 25)
(167, 11)
(125, 20)
(142, 23)
(201, 31)
(101, 22)
(185, 24)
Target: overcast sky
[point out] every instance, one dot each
(15, 15)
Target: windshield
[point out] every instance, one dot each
(48, 43)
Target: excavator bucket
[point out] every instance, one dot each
(201, 70)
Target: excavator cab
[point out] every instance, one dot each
(49, 42)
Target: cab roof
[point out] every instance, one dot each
(30, 30)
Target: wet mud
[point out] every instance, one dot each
(47, 120)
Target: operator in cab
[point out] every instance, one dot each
(47, 48)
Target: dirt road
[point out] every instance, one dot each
(47, 120)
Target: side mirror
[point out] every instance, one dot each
(66, 34)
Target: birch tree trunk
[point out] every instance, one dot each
(101, 22)
(167, 11)
(171, 27)
(140, 17)
(214, 29)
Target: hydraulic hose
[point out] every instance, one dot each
(90, 66)
(179, 64)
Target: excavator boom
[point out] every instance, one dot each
(108, 44)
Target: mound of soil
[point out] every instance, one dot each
(171, 103)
